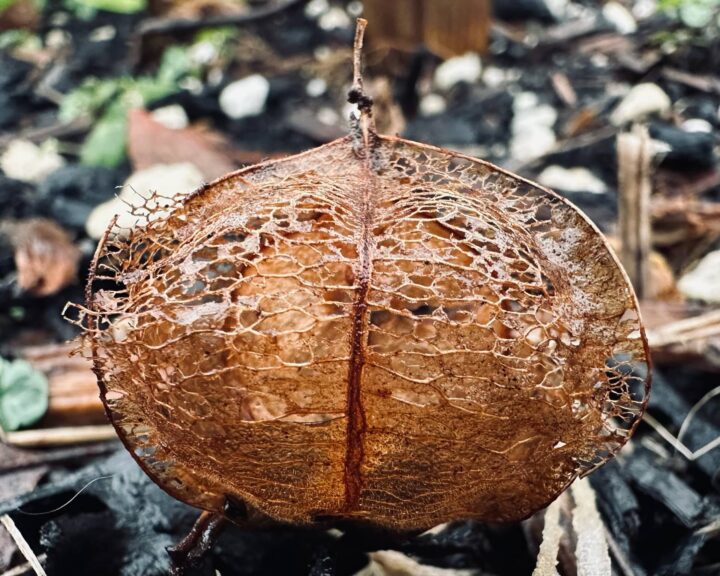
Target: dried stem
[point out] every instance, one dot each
(60, 436)
(357, 94)
(22, 545)
(634, 163)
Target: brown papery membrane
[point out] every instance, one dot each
(376, 330)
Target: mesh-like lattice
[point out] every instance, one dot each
(406, 341)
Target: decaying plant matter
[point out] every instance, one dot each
(376, 331)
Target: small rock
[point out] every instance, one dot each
(316, 87)
(170, 182)
(173, 117)
(355, 8)
(69, 194)
(532, 144)
(620, 17)
(103, 34)
(25, 161)
(684, 150)
(328, 116)
(532, 127)
(465, 68)
(697, 125)
(494, 76)
(642, 100)
(17, 198)
(316, 8)
(443, 130)
(334, 18)
(245, 97)
(703, 281)
(571, 180)
(522, 10)
(643, 9)
(432, 104)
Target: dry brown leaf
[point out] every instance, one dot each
(194, 8)
(46, 260)
(150, 143)
(20, 14)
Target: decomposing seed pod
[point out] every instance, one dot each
(376, 331)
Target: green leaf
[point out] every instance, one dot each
(23, 395)
(5, 4)
(118, 6)
(88, 98)
(105, 145)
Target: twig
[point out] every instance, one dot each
(22, 545)
(60, 436)
(591, 551)
(634, 150)
(55, 131)
(695, 409)
(618, 555)
(163, 25)
(682, 331)
(23, 568)
(675, 443)
(547, 557)
(362, 129)
(703, 83)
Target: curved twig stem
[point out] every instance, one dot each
(357, 93)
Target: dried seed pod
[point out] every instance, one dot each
(376, 330)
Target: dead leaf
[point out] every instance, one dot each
(46, 260)
(151, 143)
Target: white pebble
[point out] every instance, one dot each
(571, 180)
(315, 8)
(334, 18)
(465, 68)
(355, 8)
(620, 17)
(203, 53)
(558, 8)
(170, 181)
(432, 104)
(697, 125)
(543, 115)
(532, 144)
(642, 100)
(328, 116)
(316, 87)
(25, 161)
(532, 127)
(494, 76)
(245, 97)
(173, 117)
(703, 281)
(102, 34)
(525, 101)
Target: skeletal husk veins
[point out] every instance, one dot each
(403, 338)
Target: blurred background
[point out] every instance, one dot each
(615, 105)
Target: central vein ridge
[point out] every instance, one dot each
(356, 420)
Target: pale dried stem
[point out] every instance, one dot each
(681, 331)
(593, 558)
(60, 436)
(357, 94)
(666, 435)
(22, 544)
(634, 151)
(23, 568)
(547, 557)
